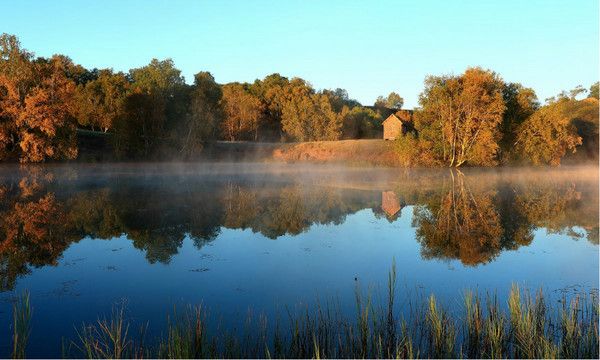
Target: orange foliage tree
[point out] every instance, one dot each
(243, 113)
(35, 106)
(547, 135)
(461, 115)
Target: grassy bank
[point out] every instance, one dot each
(95, 146)
(352, 152)
(369, 152)
(526, 327)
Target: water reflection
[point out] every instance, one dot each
(471, 216)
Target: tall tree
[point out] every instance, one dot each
(393, 102)
(584, 116)
(272, 92)
(339, 99)
(46, 125)
(594, 93)
(521, 103)
(10, 107)
(309, 116)
(17, 78)
(461, 115)
(243, 113)
(359, 122)
(99, 102)
(547, 135)
(130, 139)
(161, 89)
(36, 106)
(205, 113)
(16, 65)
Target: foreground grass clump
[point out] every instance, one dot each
(526, 327)
(21, 325)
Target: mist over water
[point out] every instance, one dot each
(261, 236)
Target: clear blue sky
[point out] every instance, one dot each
(367, 47)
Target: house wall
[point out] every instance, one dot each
(391, 130)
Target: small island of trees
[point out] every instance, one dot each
(51, 108)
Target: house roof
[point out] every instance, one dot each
(391, 118)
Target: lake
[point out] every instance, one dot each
(265, 238)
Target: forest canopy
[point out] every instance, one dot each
(52, 108)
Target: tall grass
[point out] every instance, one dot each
(524, 327)
(21, 325)
(107, 339)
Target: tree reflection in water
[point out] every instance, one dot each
(472, 217)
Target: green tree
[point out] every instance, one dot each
(594, 91)
(359, 122)
(392, 101)
(339, 99)
(157, 76)
(521, 103)
(99, 102)
(130, 139)
(16, 65)
(205, 113)
(308, 116)
(272, 91)
(161, 90)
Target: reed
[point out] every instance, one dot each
(442, 334)
(525, 328)
(107, 339)
(21, 325)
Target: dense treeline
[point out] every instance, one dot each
(151, 113)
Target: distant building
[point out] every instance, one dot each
(397, 124)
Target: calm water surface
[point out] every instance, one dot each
(81, 239)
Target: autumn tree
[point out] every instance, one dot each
(521, 103)
(460, 117)
(17, 78)
(99, 102)
(309, 116)
(205, 113)
(243, 113)
(594, 91)
(547, 135)
(584, 116)
(36, 112)
(10, 106)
